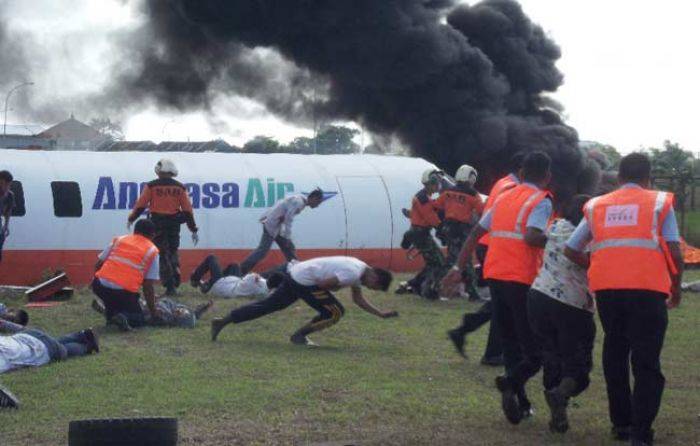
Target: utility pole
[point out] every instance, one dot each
(7, 101)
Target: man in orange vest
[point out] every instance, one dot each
(635, 270)
(129, 263)
(516, 225)
(493, 354)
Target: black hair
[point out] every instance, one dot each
(384, 278)
(536, 167)
(6, 176)
(573, 209)
(316, 193)
(22, 318)
(516, 161)
(635, 167)
(145, 227)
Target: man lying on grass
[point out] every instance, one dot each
(169, 313)
(313, 281)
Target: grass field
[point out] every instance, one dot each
(372, 382)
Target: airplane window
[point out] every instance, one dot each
(19, 209)
(67, 201)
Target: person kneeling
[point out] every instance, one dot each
(561, 309)
(30, 347)
(129, 263)
(313, 281)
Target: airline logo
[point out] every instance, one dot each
(111, 195)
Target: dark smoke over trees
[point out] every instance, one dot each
(469, 90)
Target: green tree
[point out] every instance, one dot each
(672, 160)
(612, 155)
(108, 128)
(301, 144)
(336, 139)
(262, 144)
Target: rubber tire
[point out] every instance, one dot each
(123, 431)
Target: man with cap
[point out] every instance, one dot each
(277, 227)
(169, 206)
(635, 269)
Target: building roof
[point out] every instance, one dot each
(24, 129)
(71, 129)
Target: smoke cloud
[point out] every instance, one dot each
(466, 90)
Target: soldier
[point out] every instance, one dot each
(169, 206)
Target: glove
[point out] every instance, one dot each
(195, 238)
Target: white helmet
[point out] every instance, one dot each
(466, 174)
(166, 166)
(430, 176)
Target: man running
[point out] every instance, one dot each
(313, 281)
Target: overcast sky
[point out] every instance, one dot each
(631, 66)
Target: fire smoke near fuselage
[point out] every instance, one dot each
(468, 89)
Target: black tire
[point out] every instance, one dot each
(123, 431)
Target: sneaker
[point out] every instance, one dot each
(91, 340)
(404, 288)
(509, 402)
(458, 341)
(98, 306)
(621, 433)
(492, 361)
(8, 400)
(217, 325)
(121, 322)
(559, 422)
(299, 339)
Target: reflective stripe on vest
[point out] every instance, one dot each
(518, 233)
(642, 243)
(140, 267)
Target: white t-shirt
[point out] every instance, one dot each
(278, 220)
(22, 350)
(252, 285)
(559, 277)
(348, 270)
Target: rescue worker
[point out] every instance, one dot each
(635, 270)
(169, 206)
(314, 281)
(493, 354)
(7, 204)
(461, 206)
(130, 262)
(277, 227)
(516, 225)
(424, 217)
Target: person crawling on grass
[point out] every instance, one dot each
(314, 281)
(30, 347)
(168, 313)
(17, 316)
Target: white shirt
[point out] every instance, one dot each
(22, 350)
(252, 285)
(278, 220)
(559, 277)
(348, 270)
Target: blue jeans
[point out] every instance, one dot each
(61, 348)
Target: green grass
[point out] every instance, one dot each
(692, 227)
(373, 382)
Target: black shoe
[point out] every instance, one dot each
(559, 422)
(644, 440)
(404, 288)
(91, 341)
(458, 341)
(195, 282)
(621, 433)
(8, 400)
(98, 306)
(299, 339)
(217, 325)
(492, 361)
(121, 322)
(509, 402)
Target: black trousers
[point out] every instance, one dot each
(167, 239)
(329, 309)
(212, 266)
(2, 242)
(634, 322)
(473, 321)
(120, 301)
(566, 335)
(521, 352)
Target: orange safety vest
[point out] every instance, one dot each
(128, 260)
(510, 258)
(627, 249)
(502, 185)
